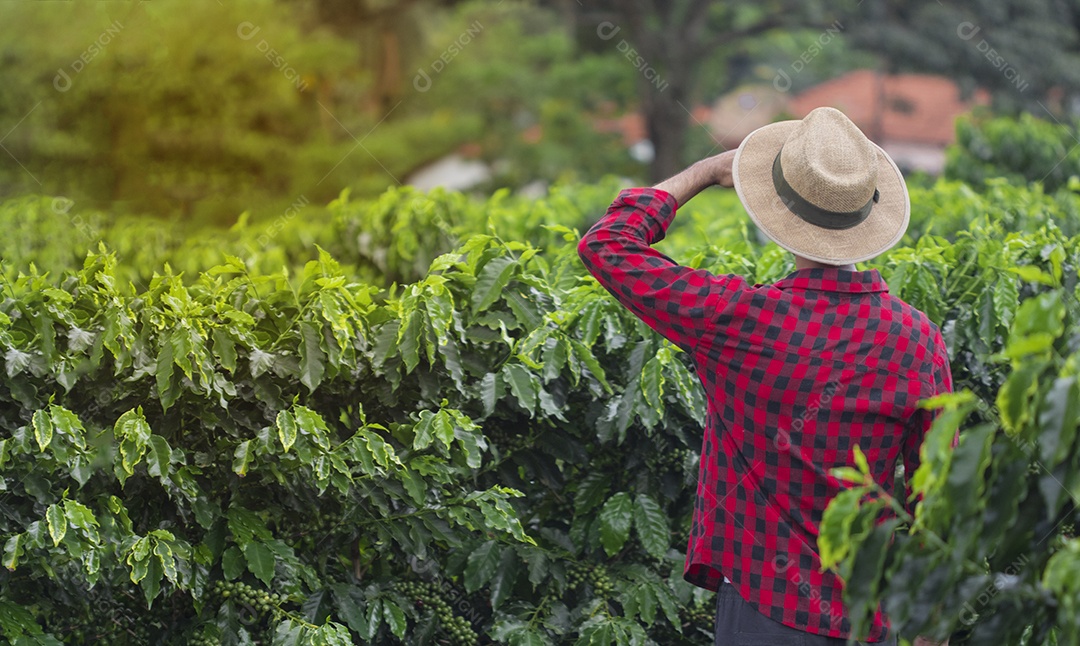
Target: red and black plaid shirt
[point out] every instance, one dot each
(796, 374)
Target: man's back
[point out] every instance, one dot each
(796, 373)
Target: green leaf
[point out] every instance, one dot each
(1006, 299)
(586, 356)
(373, 619)
(1032, 274)
(68, 425)
(615, 519)
(591, 492)
(651, 525)
(414, 485)
(348, 607)
(312, 358)
(259, 362)
(652, 384)
(836, 526)
(260, 561)
(490, 391)
(424, 431)
(43, 429)
(482, 565)
(132, 426)
(1058, 420)
(242, 458)
(232, 563)
(79, 515)
(526, 636)
(848, 474)
(158, 457)
(556, 352)
(286, 426)
(373, 445)
(1014, 397)
(409, 341)
(13, 549)
(538, 568)
(473, 444)
(58, 523)
(490, 282)
(224, 349)
(502, 585)
(443, 428)
(860, 460)
(139, 559)
(523, 385)
(167, 559)
(589, 322)
(965, 485)
(668, 605)
(315, 608)
(151, 583)
(163, 374)
(395, 618)
(312, 425)
(646, 601)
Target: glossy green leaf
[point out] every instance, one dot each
(260, 561)
(43, 429)
(58, 523)
(312, 357)
(615, 519)
(232, 563)
(483, 562)
(395, 618)
(490, 282)
(286, 428)
(242, 457)
(651, 526)
(523, 385)
(14, 548)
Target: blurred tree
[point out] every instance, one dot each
(158, 108)
(549, 110)
(668, 42)
(1026, 52)
(389, 32)
(1019, 150)
(201, 111)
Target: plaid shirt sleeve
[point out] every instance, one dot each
(676, 301)
(942, 383)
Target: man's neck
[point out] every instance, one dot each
(806, 263)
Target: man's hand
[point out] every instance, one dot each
(721, 165)
(715, 170)
(923, 641)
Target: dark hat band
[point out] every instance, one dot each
(814, 214)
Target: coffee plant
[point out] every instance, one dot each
(454, 435)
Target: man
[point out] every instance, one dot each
(796, 373)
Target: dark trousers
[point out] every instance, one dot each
(740, 624)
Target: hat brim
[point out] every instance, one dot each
(881, 230)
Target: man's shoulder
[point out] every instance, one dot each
(916, 324)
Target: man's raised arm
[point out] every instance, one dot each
(676, 301)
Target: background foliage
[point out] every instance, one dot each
(1022, 150)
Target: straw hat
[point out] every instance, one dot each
(820, 189)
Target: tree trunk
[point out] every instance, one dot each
(665, 106)
(666, 124)
(388, 73)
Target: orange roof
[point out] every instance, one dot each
(919, 108)
(631, 126)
